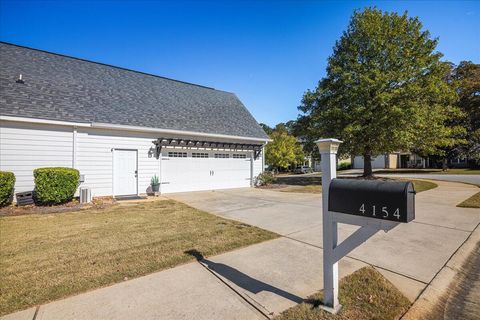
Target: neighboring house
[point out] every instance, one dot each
(317, 164)
(120, 127)
(459, 162)
(407, 160)
(393, 161)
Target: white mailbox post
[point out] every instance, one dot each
(328, 151)
(371, 205)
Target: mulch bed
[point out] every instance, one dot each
(74, 205)
(273, 186)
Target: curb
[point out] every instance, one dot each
(440, 284)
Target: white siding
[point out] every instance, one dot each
(257, 166)
(24, 147)
(95, 157)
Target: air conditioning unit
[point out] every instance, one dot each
(85, 195)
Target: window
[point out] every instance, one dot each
(175, 154)
(199, 155)
(239, 156)
(222, 155)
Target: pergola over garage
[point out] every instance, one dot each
(189, 165)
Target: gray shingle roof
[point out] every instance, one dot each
(63, 88)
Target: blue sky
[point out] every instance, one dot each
(267, 52)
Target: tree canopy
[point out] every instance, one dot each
(386, 90)
(284, 150)
(466, 78)
(268, 130)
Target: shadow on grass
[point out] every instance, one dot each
(241, 279)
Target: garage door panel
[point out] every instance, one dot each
(195, 174)
(231, 173)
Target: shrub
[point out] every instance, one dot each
(265, 178)
(7, 183)
(55, 185)
(344, 166)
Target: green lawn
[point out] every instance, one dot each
(365, 294)
(50, 256)
(422, 185)
(472, 202)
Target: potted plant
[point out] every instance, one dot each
(155, 182)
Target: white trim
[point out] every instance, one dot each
(130, 128)
(36, 120)
(171, 131)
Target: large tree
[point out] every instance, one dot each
(385, 90)
(284, 150)
(268, 130)
(466, 79)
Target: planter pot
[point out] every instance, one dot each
(155, 187)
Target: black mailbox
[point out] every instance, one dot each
(386, 200)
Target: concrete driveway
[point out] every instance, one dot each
(262, 280)
(411, 253)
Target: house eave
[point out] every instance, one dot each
(99, 125)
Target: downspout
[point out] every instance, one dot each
(74, 148)
(263, 157)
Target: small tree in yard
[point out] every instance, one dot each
(385, 90)
(284, 150)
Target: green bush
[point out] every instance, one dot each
(7, 183)
(265, 178)
(55, 185)
(344, 166)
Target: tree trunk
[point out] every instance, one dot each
(367, 165)
(444, 164)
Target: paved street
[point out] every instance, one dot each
(463, 301)
(466, 178)
(262, 280)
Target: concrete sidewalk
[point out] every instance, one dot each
(256, 282)
(260, 281)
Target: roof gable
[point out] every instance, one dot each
(68, 89)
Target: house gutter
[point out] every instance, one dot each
(43, 121)
(99, 125)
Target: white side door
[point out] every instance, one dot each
(124, 172)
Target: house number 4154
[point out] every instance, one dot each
(383, 211)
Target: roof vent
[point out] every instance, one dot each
(20, 80)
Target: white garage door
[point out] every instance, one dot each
(378, 162)
(185, 170)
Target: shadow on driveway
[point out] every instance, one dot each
(241, 279)
(300, 180)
